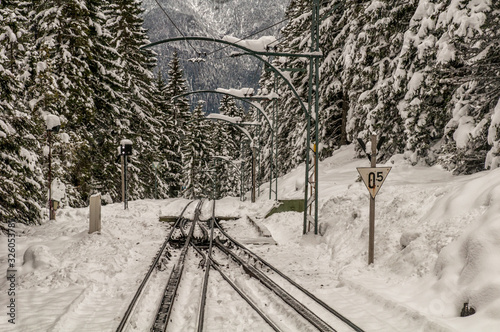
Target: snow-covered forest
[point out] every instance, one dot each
(422, 73)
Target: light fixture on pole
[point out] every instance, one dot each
(237, 122)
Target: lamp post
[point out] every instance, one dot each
(234, 164)
(238, 123)
(125, 150)
(246, 95)
(53, 125)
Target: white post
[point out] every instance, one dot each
(95, 214)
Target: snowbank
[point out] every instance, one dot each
(436, 248)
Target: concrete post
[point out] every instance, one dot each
(95, 214)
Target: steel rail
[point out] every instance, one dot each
(211, 263)
(302, 310)
(138, 293)
(203, 300)
(240, 292)
(302, 289)
(164, 310)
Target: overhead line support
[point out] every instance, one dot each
(314, 55)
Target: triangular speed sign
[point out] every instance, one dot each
(373, 177)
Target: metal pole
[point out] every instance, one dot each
(308, 140)
(51, 207)
(371, 240)
(316, 108)
(156, 184)
(124, 176)
(275, 125)
(126, 202)
(271, 161)
(253, 173)
(242, 166)
(308, 148)
(258, 175)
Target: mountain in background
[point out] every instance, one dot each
(212, 18)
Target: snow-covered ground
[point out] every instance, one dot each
(437, 245)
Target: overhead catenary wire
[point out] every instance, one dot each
(248, 36)
(176, 27)
(264, 29)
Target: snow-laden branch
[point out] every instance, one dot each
(216, 116)
(233, 120)
(256, 45)
(239, 93)
(52, 121)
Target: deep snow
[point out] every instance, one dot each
(436, 247)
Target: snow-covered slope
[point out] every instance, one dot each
(436, 248)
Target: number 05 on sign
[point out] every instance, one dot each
(373, 177)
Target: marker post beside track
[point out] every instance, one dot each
(373, 177)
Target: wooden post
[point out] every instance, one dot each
(95, 214)
(371, 240)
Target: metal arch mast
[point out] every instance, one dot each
(311, 180)
(313, 56)
(254, 102)
(251, 101)
(274, 171)
(252, 146)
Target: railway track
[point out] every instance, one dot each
(282, 286)
(281, 304)
(162, 254)
(165, 309)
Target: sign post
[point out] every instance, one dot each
(373, 177)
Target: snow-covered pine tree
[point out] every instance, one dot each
(177, 85)
(291, 137)
(376, 39)
(197, 153)
(221, 166)
(469, 57)
(385, 60)
(334, 30)
(125, 23)
(425, 96)
(22, 192)
(108, 96)
(168, 142)
(61, 86)
(226, 140)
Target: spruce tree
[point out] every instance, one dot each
(61, 87)
(137, 123)
(226, 140)
(180, 112)
(377, 37)
(291, 140)
(168, 142)
(108, 95)
(22, 190)
(197, 154)
(471, 134)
